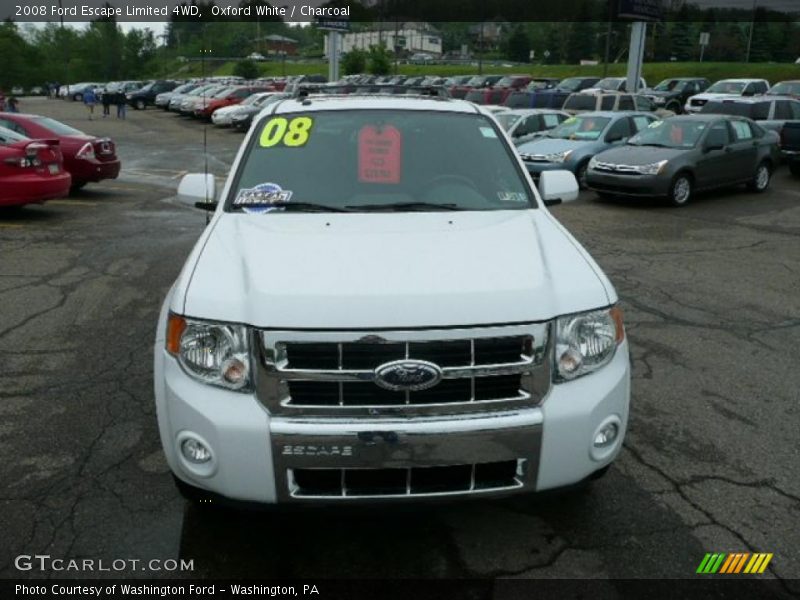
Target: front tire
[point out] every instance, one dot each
(140, 105)
(761, 179)
(674, 107)
(78, 97)
(681, 189)
(580, 175)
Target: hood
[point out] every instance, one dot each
(639, 155)
(389, 270)
(546, 145)
(713, 95)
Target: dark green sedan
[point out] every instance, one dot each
(680, 156)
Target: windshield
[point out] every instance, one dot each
(581, 102)
(786, 88)
(57, 126)
(477, 80)
(254, 99)
(580, 128)
(669, 85)
(570, 84)
(610, 83)
(727, 87)
(671, 133)
(379, 160)
(146, 88)
(507, 119)
(183, 88)
(505, 82)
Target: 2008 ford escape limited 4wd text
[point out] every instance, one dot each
(382, 308)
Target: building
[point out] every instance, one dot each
(278, 45)
(405, 38)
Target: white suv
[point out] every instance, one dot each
(382, 307)
(726, 88)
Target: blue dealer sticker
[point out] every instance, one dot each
(264, 197)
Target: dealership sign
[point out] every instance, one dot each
(641, 10)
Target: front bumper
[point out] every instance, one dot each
(629, 184)
(255, 455)
(536, 168)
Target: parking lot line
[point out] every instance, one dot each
(12, 225)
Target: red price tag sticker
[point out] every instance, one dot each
(379, 154)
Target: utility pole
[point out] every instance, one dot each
(636, 55)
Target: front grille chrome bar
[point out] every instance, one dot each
(275, 372)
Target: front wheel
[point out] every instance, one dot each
(580, 175)
(680, 192)
(674, 107)
(761, 179)
(78, 97)
(140, 105)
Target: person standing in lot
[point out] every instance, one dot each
(89, 99)
(12, 104)
(119, 100)
(2, 100)
(106, 100)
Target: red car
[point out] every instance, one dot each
(500, 91)
(205, 109)
(87, 158)
(30, 170)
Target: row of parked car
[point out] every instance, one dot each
(42, 159)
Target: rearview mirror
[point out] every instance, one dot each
(556, 187)
(198, 190)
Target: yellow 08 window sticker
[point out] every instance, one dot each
(292, 133)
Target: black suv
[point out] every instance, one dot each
(672, 94)
(146, 96)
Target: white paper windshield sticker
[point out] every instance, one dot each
(488, 132)
(512, 197)
(262, 198)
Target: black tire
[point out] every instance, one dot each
(140, 104)
(794, 168)
(605, 196)
(762, 177)
(674, 107)
(681, 189)
(78, 97)
(580, 174)
(77, 186)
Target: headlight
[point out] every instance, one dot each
(213, 353)
(587, 341)
(659, 99)
(558, 157)
(652, 169)
(593, 162)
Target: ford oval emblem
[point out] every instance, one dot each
(408, 375)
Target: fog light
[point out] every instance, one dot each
(195, 451)
(606, 436)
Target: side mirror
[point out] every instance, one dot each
(556, 187)
(198, 190)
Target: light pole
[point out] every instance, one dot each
(750, 35)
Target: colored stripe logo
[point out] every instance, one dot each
(734, 563)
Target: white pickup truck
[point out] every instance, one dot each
(383, 308)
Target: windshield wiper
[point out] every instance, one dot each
(653, 144)
(302, 207)
(413, 206)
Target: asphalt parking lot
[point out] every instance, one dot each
(710, 293)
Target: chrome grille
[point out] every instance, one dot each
(334, 372)
(616, 168)
(411, 481)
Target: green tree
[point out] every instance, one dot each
(379, 60)
(519, 45)
(246, 68)
(681, 36)
(354, 62)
